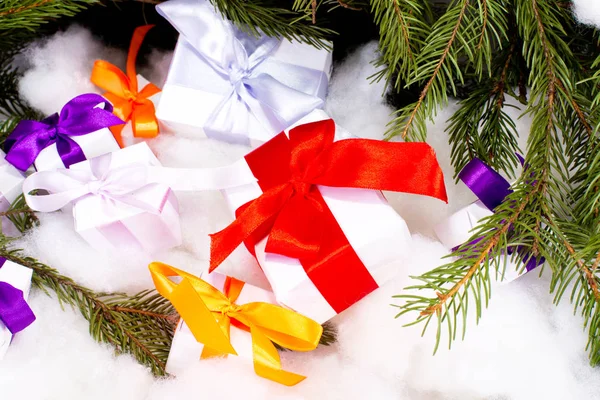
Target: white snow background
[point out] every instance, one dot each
(523, 348)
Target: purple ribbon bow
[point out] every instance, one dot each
(80, 116)
(491, 189)
(15, 313)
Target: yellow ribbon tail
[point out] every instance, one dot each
(143, 120)
(267, 363)
(285, 327)
(187, 299)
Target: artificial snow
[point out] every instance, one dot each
(523, 348)
(587, 12)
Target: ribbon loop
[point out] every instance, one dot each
(235, 56)
(208, 313)
(124, 185)
(130, 103)
(83, 114)
(15, 313)
(290, 210)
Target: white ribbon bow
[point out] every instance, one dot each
(127, 184)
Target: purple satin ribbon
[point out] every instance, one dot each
(80, 116)
(15, 313)
(491, 189)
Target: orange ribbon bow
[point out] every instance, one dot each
(122, 92)
(209, 315)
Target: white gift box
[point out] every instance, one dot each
(375, 231)
(185, 350)
(193, 89)
(19, 277)
(121, 225)
(127, 132)
(93, 144)
(11, 187)
(459, 227)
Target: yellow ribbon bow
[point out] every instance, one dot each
(122, 92)
(209, 314)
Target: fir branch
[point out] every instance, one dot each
(265, 16)
(552, 211)
(464, 35)
(403, 30)
(141, 325)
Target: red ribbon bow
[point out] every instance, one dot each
(294, 215)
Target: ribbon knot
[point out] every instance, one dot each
(230, 309)
(237, 76)
(130, 104)
(95, 187)
(291, 210)
(81, 115)
(301, 188)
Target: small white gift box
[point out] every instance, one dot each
(376, 233)
(19, 277)
(458, 229)
(115, 202)
(186, 350)
(226, 85)
(79, 132)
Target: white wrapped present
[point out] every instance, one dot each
(491, 189)
(348, 247)
(116, 203)
(227, 85)
(19, 278)
(224, 316)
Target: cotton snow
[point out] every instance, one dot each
(523, 348)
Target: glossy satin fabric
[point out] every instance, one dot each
(127, 185)
(234, 56)
(209, 314)
(15, 313)
(294, 215)
(130, 104)
(81, 115)
(491, 189)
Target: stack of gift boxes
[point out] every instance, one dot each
(306, 201)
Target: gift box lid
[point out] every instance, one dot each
(93, 211)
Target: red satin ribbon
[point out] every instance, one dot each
(294, 215)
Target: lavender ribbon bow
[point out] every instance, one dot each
(15, 313)
(236, 56)
(80, 116)
(491, 189)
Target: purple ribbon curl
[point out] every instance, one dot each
(15, 313)
(80, 116)
(491, 189)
